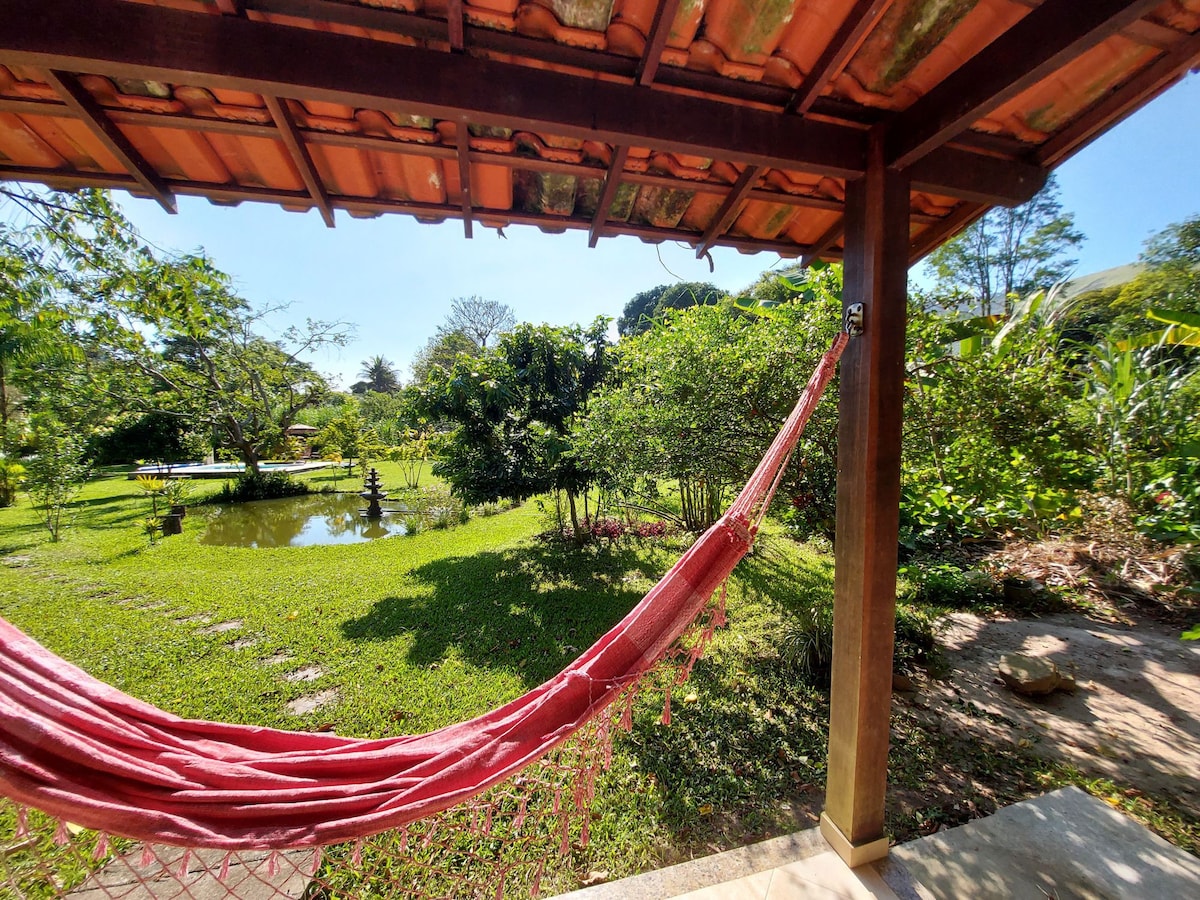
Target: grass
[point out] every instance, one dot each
(420, 631)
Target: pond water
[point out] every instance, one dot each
(300, 522)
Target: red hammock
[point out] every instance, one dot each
(89, 754)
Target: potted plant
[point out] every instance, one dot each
(176, 491)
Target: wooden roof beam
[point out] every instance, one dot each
(463, 152)
(455, 25)
(1037, 45)
(857, 24)
(660, 30)
(117, 38)
(229, 7)
(824, 242)
(728, 209)
(84, 106)
(294, 141)
(609, 193)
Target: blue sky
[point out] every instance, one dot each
(393, 278)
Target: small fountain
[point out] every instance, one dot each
(373, 495)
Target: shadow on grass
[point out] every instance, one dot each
(531, 609)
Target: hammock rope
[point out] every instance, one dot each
(89, 754)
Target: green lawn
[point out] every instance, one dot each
(420, 631)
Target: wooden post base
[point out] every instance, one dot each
(853, 856)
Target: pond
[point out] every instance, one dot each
(301, 522)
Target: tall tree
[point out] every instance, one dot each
(514, 409)
(646, 307)
(440, 352)
(1009, 252)
(479, 319)
(378, 375)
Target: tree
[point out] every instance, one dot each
(166, 333)
(1170, 280)
(378, 375)
(514, 409)
(440, 352)
(54, 474)
(1009, 252)
(479, 319)
(695, 401)
(350, 436)
(35, 327)
(648, 306)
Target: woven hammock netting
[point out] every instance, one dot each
(111, 797)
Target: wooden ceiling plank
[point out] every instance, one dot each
(728, 209)
(858, 22)
(656, 41)
(1120, 103)
(611, 182)
(298, 149)
(1040, 43)
(824, 242)
(463, 152)
(455, 24)
(92, 114)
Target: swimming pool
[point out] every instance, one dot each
(225, 470)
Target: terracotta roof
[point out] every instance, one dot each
(728, 122)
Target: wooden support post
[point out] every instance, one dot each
(868, 500)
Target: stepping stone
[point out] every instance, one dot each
(312, 702)
(243, 643)
(278, 659)
(16, 561)
(193, 620)
(221, 627)
(308, 673)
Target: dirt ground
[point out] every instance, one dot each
(1135, 716)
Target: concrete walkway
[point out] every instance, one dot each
(1066, 846)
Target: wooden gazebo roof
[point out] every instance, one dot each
(714, 122)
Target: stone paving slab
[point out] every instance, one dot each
(124, 878)
(1067, 845)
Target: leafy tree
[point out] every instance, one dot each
(378, 375)
(479, 319)
(514, 409)
(648, 306)
(696, 399)
(35, 325)
(440, 352)
(168, 334)
(55, 474)
(1009, 251)
(350, 436)
(1169, 282)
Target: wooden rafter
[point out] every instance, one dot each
(84, 106)
(728, 210)
(114, 37)
(229, 7)
(463, 153)
(454, 25)
(656, 40)
(1116, 106)
(1038, 44)
(858, 22)
(612, 181)
(824, 242)
(936, 235)
(298, 149)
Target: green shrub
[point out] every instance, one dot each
(947, 586)
(261, 486)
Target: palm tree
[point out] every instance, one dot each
(378, 375)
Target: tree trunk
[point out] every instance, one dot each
(574, 519)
